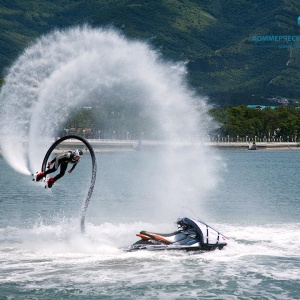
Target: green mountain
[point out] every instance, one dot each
(213, 36)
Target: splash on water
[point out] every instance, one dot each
(67, 69)
(56, 256)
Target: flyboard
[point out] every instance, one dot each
(45, 179)
(93, 177)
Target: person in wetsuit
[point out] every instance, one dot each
(62, 160)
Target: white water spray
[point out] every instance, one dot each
(66, 69)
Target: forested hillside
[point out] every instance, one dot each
(214, 37)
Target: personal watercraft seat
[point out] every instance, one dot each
(193, 235)
(168, 238)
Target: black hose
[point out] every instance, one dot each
(94, 171)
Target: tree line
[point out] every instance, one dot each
(282, 123)
(237, 122)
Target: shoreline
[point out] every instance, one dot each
(110, 146)
(259, 145)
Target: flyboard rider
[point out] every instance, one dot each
(62, 160)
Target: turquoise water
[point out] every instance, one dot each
(43, 255)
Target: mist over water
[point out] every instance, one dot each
(68, 69)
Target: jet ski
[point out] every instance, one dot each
(192, 235)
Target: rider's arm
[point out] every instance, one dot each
(73, 167)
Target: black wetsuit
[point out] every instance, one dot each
(62, 160)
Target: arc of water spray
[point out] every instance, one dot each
(83, 66)
(94, 172)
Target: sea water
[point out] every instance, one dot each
(256, 205)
